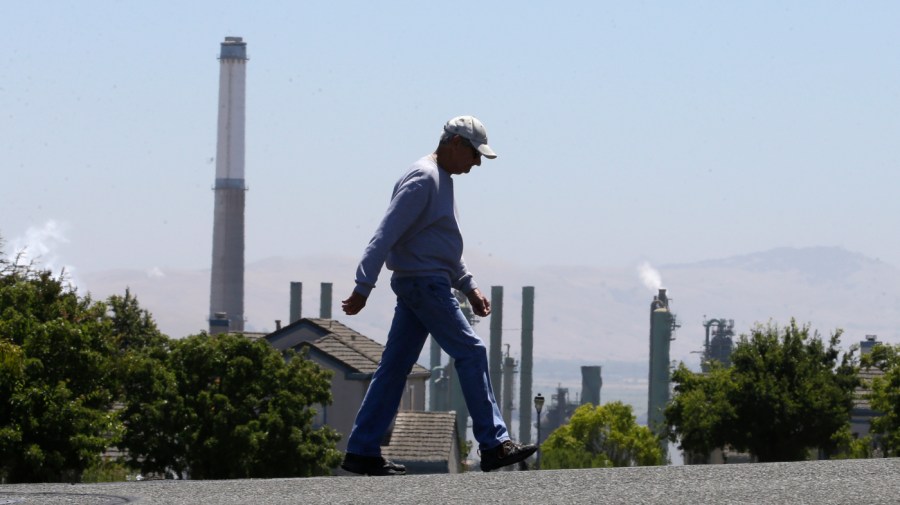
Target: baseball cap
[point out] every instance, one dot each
(471, 129)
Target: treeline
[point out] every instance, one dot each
(788, 396)
(79, 376)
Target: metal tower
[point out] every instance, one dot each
(226, 299)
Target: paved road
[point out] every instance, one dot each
(819, 482)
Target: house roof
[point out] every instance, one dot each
(422, 436)
(354, 350)
(361, 354)
(253, 335)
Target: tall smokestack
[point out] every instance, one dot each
(227, 280)
(296, 303)
(526, 365)
(509, 381)
(590, 385)
(495, 353)
(325, 301)
(662, 324)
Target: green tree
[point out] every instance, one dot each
(77, 376)
(134, 328)
(785, 394)
(602, 436)
(56, 378)
(150, 404)
(700, 408)
(849, 446)
(224, 406)
(885, 397)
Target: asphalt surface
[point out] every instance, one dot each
(871, 481)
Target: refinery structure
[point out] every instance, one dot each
(718, 343)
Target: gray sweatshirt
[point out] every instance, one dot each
(419, 235)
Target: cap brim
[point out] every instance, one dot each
(486, 151)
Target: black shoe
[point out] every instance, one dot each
(371, 465)
(505, 454)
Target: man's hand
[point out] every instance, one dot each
(481, 306)
(354, 304)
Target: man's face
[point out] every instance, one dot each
(465, 156)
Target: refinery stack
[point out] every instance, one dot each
(226, 300)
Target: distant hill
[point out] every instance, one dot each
(589, 313)
(583, 315)
(813, 263)
(827, 287)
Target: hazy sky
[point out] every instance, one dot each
(627, 131)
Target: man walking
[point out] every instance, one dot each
(419, 240)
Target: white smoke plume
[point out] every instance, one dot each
(155, 273)
(40, 246)
(650, 276)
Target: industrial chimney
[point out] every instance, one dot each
(510, 368)
(591, 382)
(296, 302)
(526, 367)
(325, 300)
(227, 279)
(495, 351)
(662, 325)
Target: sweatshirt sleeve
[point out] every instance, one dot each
(409, 201)
(463, 280)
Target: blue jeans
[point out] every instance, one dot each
(426, 305)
